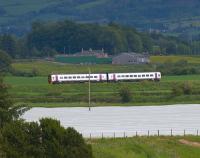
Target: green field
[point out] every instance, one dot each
(44, 68)
(145, 147)
(173, 59)
(37, 92)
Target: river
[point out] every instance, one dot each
(128, 121)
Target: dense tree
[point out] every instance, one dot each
(5, 61)
(48, 139)
(8, 44)
(8, 111)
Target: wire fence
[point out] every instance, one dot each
(120, 134)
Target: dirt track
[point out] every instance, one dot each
(186, 142)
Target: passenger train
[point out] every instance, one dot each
(103, 77)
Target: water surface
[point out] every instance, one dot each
(117, 121)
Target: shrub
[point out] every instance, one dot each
(177, 90)
(125, 94)
(187, 88)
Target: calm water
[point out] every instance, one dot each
(118, 120)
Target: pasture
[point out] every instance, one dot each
(44, 68)
(173, 59)
(146, 147)
(37, 92)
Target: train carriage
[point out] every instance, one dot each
(103, 77)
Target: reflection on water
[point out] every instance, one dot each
(118, 120)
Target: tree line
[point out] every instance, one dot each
(48, 38)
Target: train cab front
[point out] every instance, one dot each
(49, 79)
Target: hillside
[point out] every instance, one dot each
(171, 16)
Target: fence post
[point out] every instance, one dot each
(136, 134)
(124, 135)
(197, 132)
(171, 133)
(148, 133)
(158, 133)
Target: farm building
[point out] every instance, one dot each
(85, 57)
(131, 58)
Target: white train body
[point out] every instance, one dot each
(103, 77)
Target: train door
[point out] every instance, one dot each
(114, 77)
(107, 77)
(100, 77)
(156, 76)
(56, 78)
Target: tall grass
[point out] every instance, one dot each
(145, 147)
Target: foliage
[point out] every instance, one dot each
(187, 88)
(183, 88)
(146, 14)
(47, 139)
(5, 61)
(8, 111)
(125, 94)
(176, 90)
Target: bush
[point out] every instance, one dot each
(180, 89)
(187, 88)
(125, 94)
(177, 90)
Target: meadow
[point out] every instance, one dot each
(145, 147)
(173, 59)
(35, 91)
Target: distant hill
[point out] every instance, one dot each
(163, 15)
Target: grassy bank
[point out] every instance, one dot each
(173, 59)
(37, 92)
(146, 147)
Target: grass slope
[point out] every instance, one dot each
(144, 147)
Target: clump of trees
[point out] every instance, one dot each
(45, 139)
(47, 39)
(125, 94)
(20, 139)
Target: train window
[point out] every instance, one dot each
(87, 76)
(95, 76)
(74, 77)
(151, 75)
(70, 77)
(143, 75)
(78, 77)
(118, 76)
(131, 75)
(61, 77)
(65, 77)
(127, 75)
(82, 77)
(122, 75)
(139, 75)
(147, 75)
(135, 75)
(91, 76)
